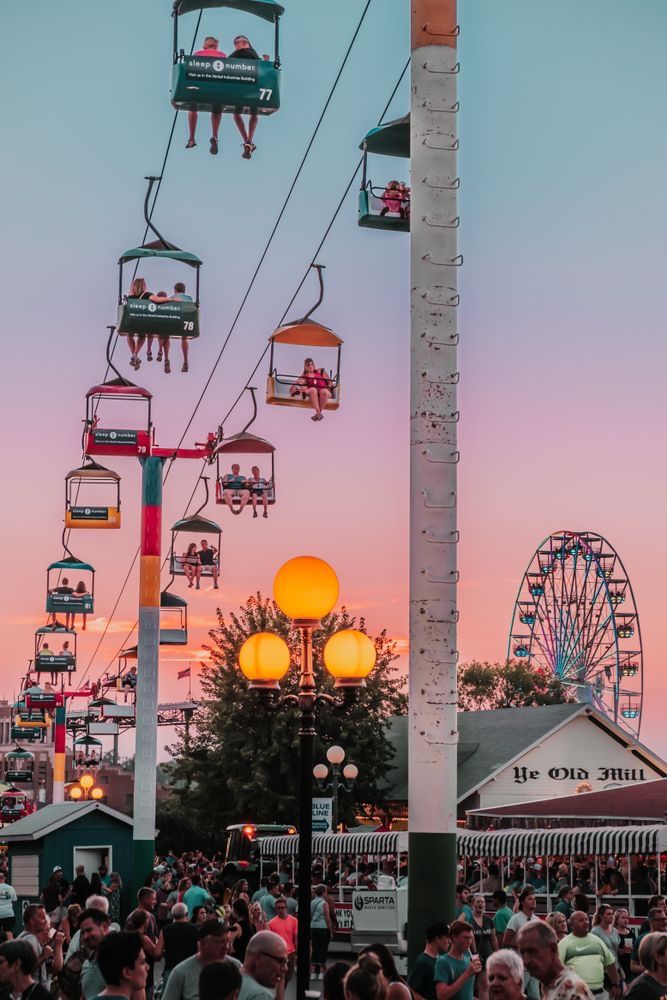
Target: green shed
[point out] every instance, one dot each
(68, 834)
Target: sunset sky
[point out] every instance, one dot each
(563, 232)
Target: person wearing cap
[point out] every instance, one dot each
(244, 50)
(420, 977)
(525, 913)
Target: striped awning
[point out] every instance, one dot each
(336, 843)
(582, 840)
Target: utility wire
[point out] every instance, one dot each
(247, 294)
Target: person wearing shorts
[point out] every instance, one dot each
(259, 491)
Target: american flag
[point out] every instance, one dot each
(183, 673)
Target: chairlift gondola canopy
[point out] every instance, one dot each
(147, 252)
(87, 741)
(390, 139)
(245, 444)
(306, 333)
(71, 563)
(268, 10)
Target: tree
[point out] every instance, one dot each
(240, 762)
(507, 685)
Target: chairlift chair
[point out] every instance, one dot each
(229, 85)
(109, 440)
(374, 211)
(65, 598)
(102, 482)
(47, 658)
(303, 332)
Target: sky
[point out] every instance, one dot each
(562, 350)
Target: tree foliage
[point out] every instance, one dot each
(239, 762)
(507, 685)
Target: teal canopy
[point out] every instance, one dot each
(268, 10)
(71, 563)
(139, 253)
(54, 629)
(391, 139)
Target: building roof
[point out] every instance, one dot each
(44, 821)
(490, 740)
(646, 800)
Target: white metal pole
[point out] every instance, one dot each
(432, 794)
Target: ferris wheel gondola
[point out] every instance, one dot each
(575, 617)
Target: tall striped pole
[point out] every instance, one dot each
(433, 459)
(148, 650)
(60, 744)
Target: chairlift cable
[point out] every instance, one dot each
(247, 294)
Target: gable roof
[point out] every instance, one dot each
(490, 740)
(44, 821)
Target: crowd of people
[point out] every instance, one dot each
(219, 941)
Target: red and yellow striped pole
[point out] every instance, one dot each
(148, 649)
(60, 733)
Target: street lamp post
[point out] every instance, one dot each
(335, 756)
(306, 589)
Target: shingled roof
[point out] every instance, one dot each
(489, 741)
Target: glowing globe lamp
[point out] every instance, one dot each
(350, 772)
(335, 755)
(264, 659)
(97, 793)
(349, 656)
(86, 781)
(320, 772)
(305, 589)
(75, 793)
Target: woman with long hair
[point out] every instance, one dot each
(395, 985)
(321, 931)
(112, 892)
(365, 980)
(241, 926)
(627, 938)
(558, 922)
(315, 385)
(138, 290)
(257, 917)
(191, 561)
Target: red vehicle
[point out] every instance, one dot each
(14, 805)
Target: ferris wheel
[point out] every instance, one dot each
(575, 616)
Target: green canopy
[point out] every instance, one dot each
(390, 139)
(19, 755)
(87, 741)
(138, 253)
(55, 629)
(268, 10)
(71, 563)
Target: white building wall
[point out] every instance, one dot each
(580, 751)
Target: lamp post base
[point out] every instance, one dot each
(143, 859)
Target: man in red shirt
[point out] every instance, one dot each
(287, 927)
(210, 49)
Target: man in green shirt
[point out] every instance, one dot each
(588, 956)
(463, 909)
(503, 913)
(420, 977)
(564, 904)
